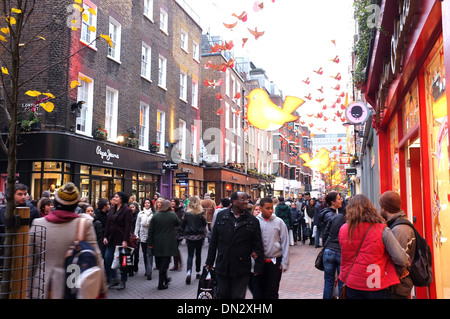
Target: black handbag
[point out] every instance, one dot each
(207, 284)
(319, 260)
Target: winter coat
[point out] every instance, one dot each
(118, 225)
(162, 234)
(233, 241)
(142, 223)
(296, 216)
(330, 234)
(59, 237)
(284, 212)
(374, 267)
(404, 235)
(193, 226)
(325, 215)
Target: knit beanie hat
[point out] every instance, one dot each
(67, 195)
(391, 202)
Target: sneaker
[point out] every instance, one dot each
(121, 285)
(188, 279)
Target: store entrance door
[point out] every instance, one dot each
(101, 188)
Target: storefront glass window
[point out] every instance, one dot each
(395, 160)
(411, 109)
(437, 106)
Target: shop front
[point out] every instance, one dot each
(410, 96)
(187, 179)
(48, 160)
(222, 182)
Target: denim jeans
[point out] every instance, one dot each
(331, 263)
(111, 274)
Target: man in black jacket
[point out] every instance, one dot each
(236, 236)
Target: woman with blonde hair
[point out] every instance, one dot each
(193, 227)
(369, 251)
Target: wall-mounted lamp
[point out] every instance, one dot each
(120, 139)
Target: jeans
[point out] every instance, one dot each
(111, 274)
(147, 253)
(360, 294)
(194, 246)
(331, 263)
(317, 236)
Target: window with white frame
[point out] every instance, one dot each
(195, 94)
(239, 154)
(164, 21)
(111, 113)
(89, 23)
(227, 151)
(194, 142)
(148, 9)
(115, 33)
(233, 152)
(160, 130)
(183, 86)
(196, 51)
(182, 139)
(86, 95)
(227, 115)
(184, 40)
(144, 126)
(227, 82)
(162, 71)
(146, 61)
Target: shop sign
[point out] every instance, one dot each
(392, 65)
(345, 160)
(187, 170)
(107, 155)
(183, 182)
(181, 175)
(170, 165)
(351, 171)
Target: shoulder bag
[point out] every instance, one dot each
(343, 293)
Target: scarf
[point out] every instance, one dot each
(61, 216)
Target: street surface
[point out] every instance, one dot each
(301, 281)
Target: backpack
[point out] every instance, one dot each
(84, 275)
(421, 269)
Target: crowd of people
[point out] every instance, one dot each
(249, 241)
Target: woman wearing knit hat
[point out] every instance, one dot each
(117, 233)
(390, 206)
(61, 225)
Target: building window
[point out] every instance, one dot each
(183, 86)
(148, 9)
(196, 51)
(89, 23)
(227, 151)
(194, 143)
(227, 116)
(195, 94)
(111, 113)
(146, 61)
(115, 33)
(84, 120)
(162, 72)
(164, 21)
(184, 40)
(144, 126)
(160, 130)
(182, 139)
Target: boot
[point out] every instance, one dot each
(121, 285)
(188, 278)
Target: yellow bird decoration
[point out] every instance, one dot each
(262, 113)
(320, 162)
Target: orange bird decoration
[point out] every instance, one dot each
(320, 71)
(230, 26)
(309, 97)
(336, 59)
(307, 81)
(243, 16)
(213, 83)
(257, 34)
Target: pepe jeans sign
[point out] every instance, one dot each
(106, 156)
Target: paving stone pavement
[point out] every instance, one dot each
(301, 281)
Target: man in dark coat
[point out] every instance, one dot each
(235, 238)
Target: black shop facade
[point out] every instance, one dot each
(47, 160)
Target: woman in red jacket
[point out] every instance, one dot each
(369, 251)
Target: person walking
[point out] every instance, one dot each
(101, 215)
(332, 254)
(193, 227)
(317, 224)
(390, 207)
(308, 222)
(61, 227)
(208, 206)
(275, 239)
(369, 251)
(117, 233)
(162, 239)
(283, 211)
(236, 234)
(141, 230)
(297, 218)
(179, 210)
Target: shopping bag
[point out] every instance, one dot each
(116, 260)
(206, 285)
(126, 258)
(291, 237)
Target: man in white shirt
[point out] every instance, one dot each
(275, 239)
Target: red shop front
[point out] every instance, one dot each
(408, 87)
